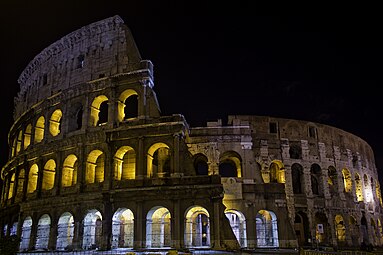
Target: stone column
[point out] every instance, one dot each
(176, 156)
(176, 225)
(138, 227)
(141, 159)
(217, 223)
(53, 235)
(107, 223)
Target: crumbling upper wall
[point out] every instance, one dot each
(98, 50)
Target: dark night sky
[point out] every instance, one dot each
(321, 63)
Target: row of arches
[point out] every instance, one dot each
(127, 107)
(158, 229)
(346, 227)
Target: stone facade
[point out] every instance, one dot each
(94, 164)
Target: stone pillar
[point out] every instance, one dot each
(141, 159)
(176, 156)
(251, 228)
(77, 234)
(53, 235)
(138, 227)
(217, 223)
(32, 239)
(59, 164)
(107, 223)
(176, 225)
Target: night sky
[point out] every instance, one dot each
(321, 63)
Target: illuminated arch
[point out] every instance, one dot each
(96, 108)
(32, 178)
(27, 136)
(95, 167)
(340, 228)
(69, 172)
(358, 188)
(26, 233)
(158, 228)
(267, 229)
(43, 232)
(230, 164)
(378, 192)
(197, 227)
(65, 231)
(54, 122)
(123, 228)
(158, 160)
(238, 225)
(11, 186)
(49, 173)
(92, 235)
(277, 172)
(347, 181)
(125, 163)
(129, 93)
(19, 142)
(39, 130)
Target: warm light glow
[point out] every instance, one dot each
(150, 156)
(32, 178)
(95, 109)
(69, 173)
(121, 103)
(340, 228)
(358, 188)
(125, 163)
(54, 122)
(95, 167)
(27, 136)
(39, 130)
(49, 175)
(347, 180)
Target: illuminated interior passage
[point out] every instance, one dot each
(69, 172)
(125, 163)
(92, 236)
(123, 228)
(43, 231)
(238, 225)
(267, 229)
(197, 227)
(26, 233)
(158, 228)
(65, 231)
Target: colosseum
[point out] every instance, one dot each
(93, 165)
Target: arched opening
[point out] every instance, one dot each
(332, 180)
(301, 227)
(238, 225)
(19, 142)
(32, 178)
(13, 230)
(69, 172)
(340, 228)
(95, 167)
(39, 130)
(353, 230)
(297, 178)
(200, 164)
(197, 227)
(54, 122)
(267, 229)
(49, 175)
(123, 228)
(11, 186)
(230, 164)
(380, 232)
(27, 136)
(295, 151)
(364, 230)
(26, 233)
(127, 105)
(99, 111)
(43, 232)
(378, 192)
(79, 113)
(358, 188)
(125, 163)
(277, 172)
(316, 180)
(367, 189)
(347, 180)
(158, 229)
(322, 231)
(92, 236)
(65, 231)
(158, 164)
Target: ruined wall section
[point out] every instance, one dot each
(98, 50)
